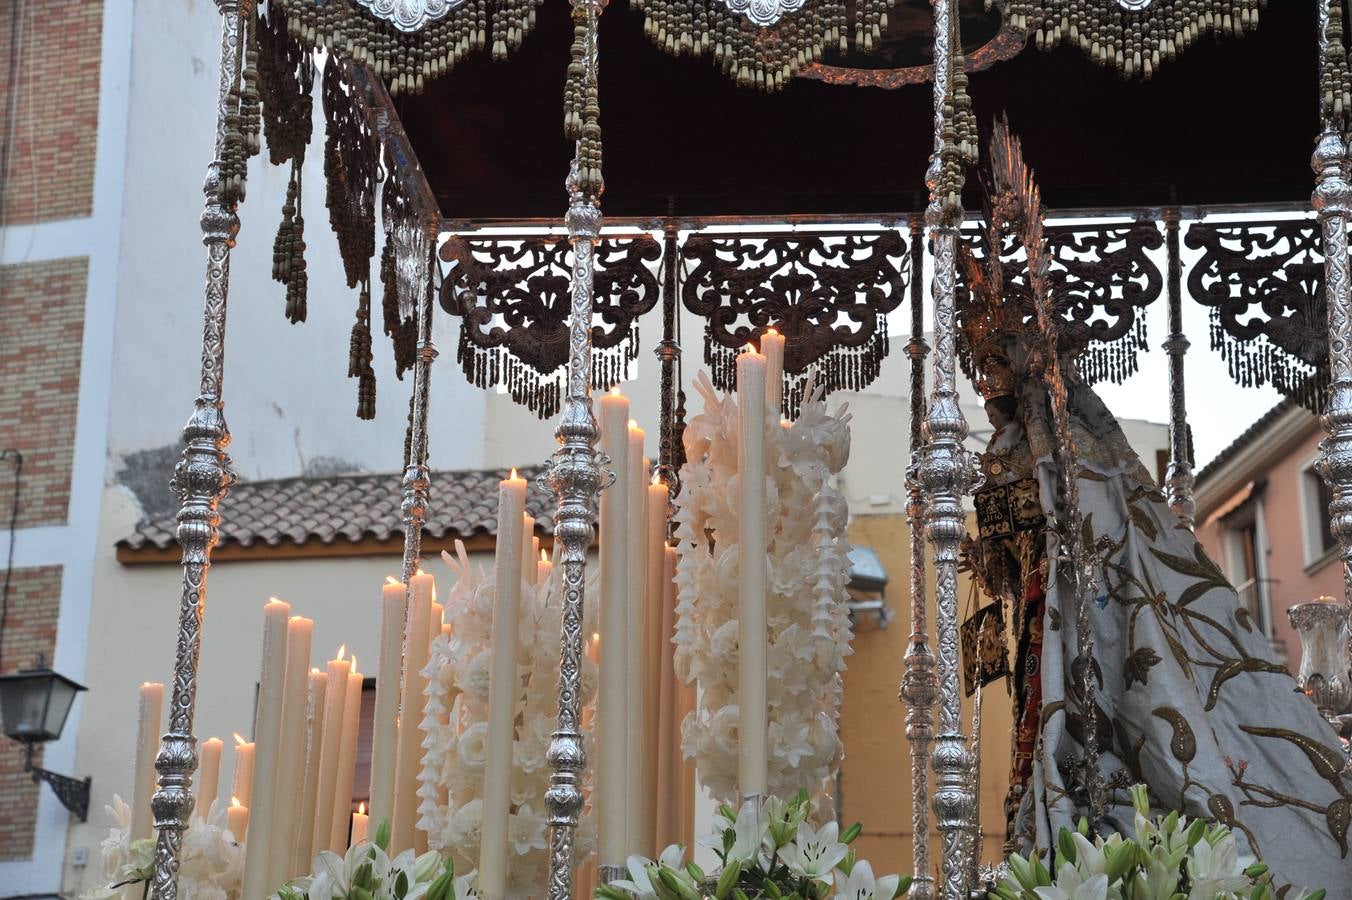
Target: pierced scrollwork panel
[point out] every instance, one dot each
(409, 15)
(512, 295)
(828, 293)
(1100, 277)
(1263, 283)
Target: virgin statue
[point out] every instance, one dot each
(1185, 693)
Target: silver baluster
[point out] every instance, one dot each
(1178, 477)
(201, 478)
(919, 687)
(947, 472)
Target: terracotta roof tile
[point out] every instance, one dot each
(351, 508)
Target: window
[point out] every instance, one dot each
(1246, 559)
(1315, 498)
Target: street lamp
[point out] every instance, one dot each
(34, 704)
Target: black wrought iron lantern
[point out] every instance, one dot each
(34, 704)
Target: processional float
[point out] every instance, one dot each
(381, 47)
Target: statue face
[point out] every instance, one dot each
(996, 414)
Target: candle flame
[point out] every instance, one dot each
(513, 475)
(750, 347)
(234, 801)
(361, 808)
(633, 424)
(239, 740)
(772, 331)
(544, 557)
(615, 390)
(316, 671)
(390, 579)
(342, 651)
(657, 478)
(354, 664)
(596, 637)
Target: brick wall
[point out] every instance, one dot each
(40, 335)
(51, 162)
(29, 630)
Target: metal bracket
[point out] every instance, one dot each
(72, 792)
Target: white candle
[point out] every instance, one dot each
(503, 688)
(360, 822)
(335, 706)
(668, 753)
(612, 706)
(403, 828)
(291, 760)
(655, 542)
(772, 346)
(267, 750)
(314, 743)
(635, 648)
(242, 782)
(752, 638)
(528, 548)
(147, 746)
(543, 569)
(237, 819)
(347, 762)
(209, 777)
(384, 731)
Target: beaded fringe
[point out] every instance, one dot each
(1256, 361)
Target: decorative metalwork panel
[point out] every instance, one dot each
(763, 12)
(513, 294)
(409, 15)
(1099, 276)
(1264, 285)
(828, 293)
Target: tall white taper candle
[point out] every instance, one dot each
(151, 703)
(384, 730)
(752, 637)
(335, 707)
(613, 704)
(772, 347)
(208, 780)
(314, 746)
(347, 762)
(404, 826)
(503, 687)
(291, 759)
(635, 645)
(267, 750)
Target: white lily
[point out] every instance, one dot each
(640, 882)
(749, 830)
(813, 853)
(1216, 870)
(861, 885)
(1095, 888)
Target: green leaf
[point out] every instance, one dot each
(851, 833)
(902, 886)
(606, 892)
(1196, 831)
(727, 879)
(1065, 846)
(383, 835)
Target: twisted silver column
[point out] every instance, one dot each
(576, 477)
(201, 478)
(1332, 201)
(1178, 478)
(947, 471)
(417, 481)
(919, 686)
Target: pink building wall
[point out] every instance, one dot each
(1285, 522)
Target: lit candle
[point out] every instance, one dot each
(347, 761)
(543, 569)
(635, 647)
(752, 637)
(359, 824)
(147, 745)
(237, 819)
(528, 548)
(209, 778)
(446, 629)
(242, 781)
(314, 743)
(654, 552)
(384, 731)
(291, 760)
(503, 689)
(404, 826)
(267, 752)
(335, 706)
(612, 706)
(668, 755)
(772, 346)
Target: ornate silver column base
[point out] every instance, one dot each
(607, 874)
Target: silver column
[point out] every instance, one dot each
(201, 478)
(919, 686)
(1333, 203)
(947, 472)
(1178, 476)
(417, 481)
(575, 476)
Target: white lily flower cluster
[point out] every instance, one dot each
(366, 872)
(210, 861)
(456, 724)
(1170, 858)
(807, 611)
(767, 849)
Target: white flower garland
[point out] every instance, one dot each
(808, 615)
(456, 724)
